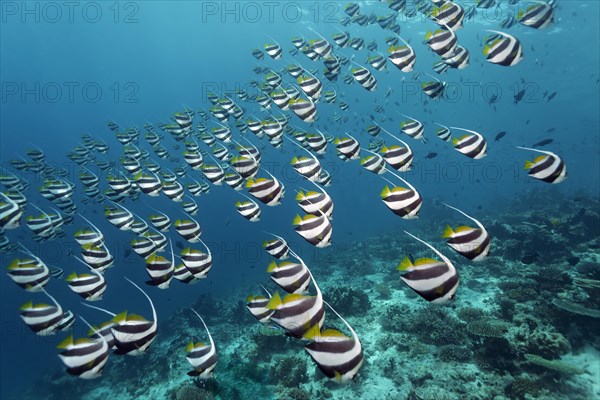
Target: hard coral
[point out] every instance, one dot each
(454, 353)
(487, 328)
(435, 325)
(555, 365)
(289, 371)
(349, 301)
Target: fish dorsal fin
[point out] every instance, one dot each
(312, 333)
(275, 302)
(292, 297)
(190, 346)
(83, 341)
(385, 192)
(309, 217)
(65, 343)
(448, 232)
(463, 228)
(405, 264)
(272, 266)
(136, 317)
(333, 333)
(419, 262)
(121, 317)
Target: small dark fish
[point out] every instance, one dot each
(179, 245)
(551, 130)
(550, 97)
(519, 96)
(227, 222)
(500, 136)
(527, 122)
(126, 252)
(493, 99)
(542, 143)
(431, 155)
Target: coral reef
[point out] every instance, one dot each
(348, 301)
(554, 365)
(523, 325)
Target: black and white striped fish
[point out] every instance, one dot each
(249, 209)
(89, 286)
(119, 216)
(472, 145)
(10, 213)
(412, 128)
(66, 322)
(398, 157)
(189, 229)
(197, 262)
(305, 109)
(290, 276)
(43, 319)
(277, 247)
(317, 142)
(448, 14)
(315, 202)
(508, 22)
(547, 167)
(459, 59)
(273, 50)
(202, 357)
(442, 42)
(404, 202)
(190, 207)
(440, 67)
(434, 89)
(297, 313)
(268, 190)
(435, 281)
(133, 333)
(538, 15)
(443, 133)
(338, 356)
(84, 357)
(373, 162)
(473, 243)
(173, 190)
(143, 246)
(160, 269)
(31, 274)
(377, 61)
(347, 148)
(214, 173)
(364, 77)
(91, 235)
(160, 221)
(504, 49)
(245, 165)
(315, 229)
(257, 305)
(97, 257)
(150, 184)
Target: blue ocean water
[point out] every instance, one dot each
(66, 72)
